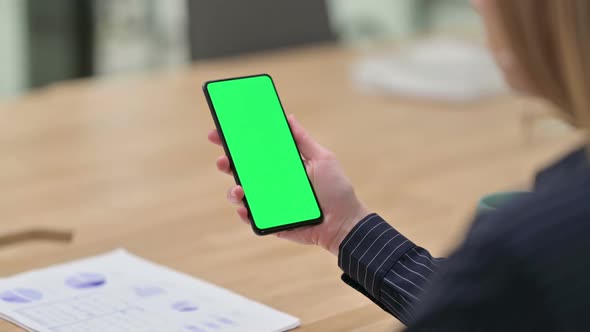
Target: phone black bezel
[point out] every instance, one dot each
(257, 230)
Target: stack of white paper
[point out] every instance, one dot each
(119, 292)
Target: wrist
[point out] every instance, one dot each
(346, 227)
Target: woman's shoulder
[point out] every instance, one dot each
(551, 222)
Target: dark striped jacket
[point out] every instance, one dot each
(525, 267)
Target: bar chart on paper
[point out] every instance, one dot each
(120, 292)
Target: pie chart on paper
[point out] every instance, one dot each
(86, 280)
(21, 295)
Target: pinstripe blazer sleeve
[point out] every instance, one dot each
(385, 266)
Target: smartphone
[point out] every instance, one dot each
(263, 154)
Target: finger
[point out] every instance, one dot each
(213, 137)
(235, 195)
(222, 164)
(243, 214)
(310, 149)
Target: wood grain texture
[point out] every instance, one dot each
(124, 162)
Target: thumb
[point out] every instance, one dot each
(309, 148)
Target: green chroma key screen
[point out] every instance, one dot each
(266, 161)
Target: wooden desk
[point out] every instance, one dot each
(125, 163)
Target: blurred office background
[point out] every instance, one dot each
(43, 42)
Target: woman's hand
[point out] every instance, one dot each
(342, 209)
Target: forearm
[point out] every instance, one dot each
(386, 266)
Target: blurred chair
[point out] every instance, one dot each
(60, 40)
(229, 27)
